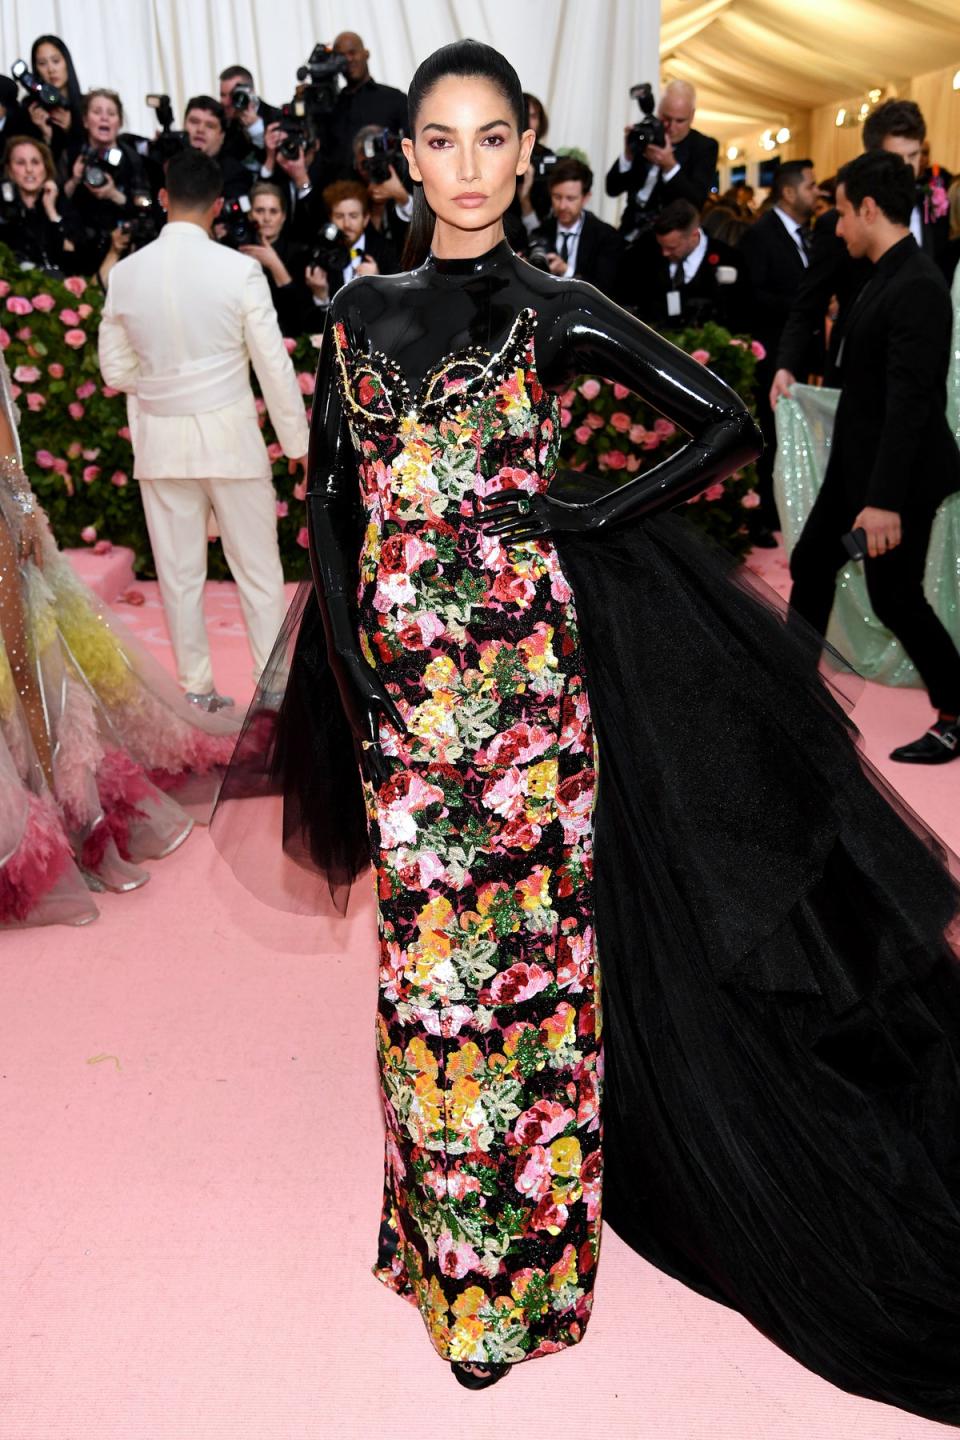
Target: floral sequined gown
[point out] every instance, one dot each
(489, 1031)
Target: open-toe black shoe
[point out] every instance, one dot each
(470, 1381)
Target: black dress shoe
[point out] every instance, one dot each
(938, 746)
(471, 1381)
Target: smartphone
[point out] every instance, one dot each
(855, 543)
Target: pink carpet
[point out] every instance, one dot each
(191, 1179)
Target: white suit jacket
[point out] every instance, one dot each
(183, 319)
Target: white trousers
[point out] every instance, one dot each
(177, 513)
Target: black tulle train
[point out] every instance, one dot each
(781, 997)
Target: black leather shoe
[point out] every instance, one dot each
(470, 1380)
(938, 746)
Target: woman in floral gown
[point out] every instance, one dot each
(781, 1006)
(99, 752)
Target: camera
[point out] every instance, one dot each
(144, 224)
(242, 97)
(537, 255)
(38, 90)
(332, 250)
(169, 142)
(239, 228)
(380, 153)
(649, 130)
(97, 162)
(293, 125)
(543, 165)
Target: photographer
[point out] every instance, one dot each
(682, 167)
(30, 219)
(247, 117)
(533, 188)
(391, 204)
(359, 249)
(205, 127)
(59, 126)
(105, 178)
(282, 260)
(362, 101)
(286, 165)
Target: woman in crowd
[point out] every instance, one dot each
(283, 261)
(105, 175)
(781, 1002)
(96, 741)
(361, 248)
(61, 127)
(32, 223)
(533, 188)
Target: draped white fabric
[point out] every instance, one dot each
(580, 58)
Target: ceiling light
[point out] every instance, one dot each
(783, 135)
(732, 152)
(956, 81)
(841, 116)
(875, 94)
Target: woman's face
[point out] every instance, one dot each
(51, 66)
(102, 121)
(267, 214)
(349, 217)
(467, 152)
(27, 170)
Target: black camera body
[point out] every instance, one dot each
(649, 130)
(99, 163)
(332, 249)
(39, 92)
(381, 153)
(536, 255)
(293, 123)
(242, 97)
(239, 228)
(144, 224)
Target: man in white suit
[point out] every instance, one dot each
(183, 319)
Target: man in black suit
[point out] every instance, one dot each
(577, 243)
(676, 275)
(893, 459)
(683, 168)
(247, 120)
(361, 246)
(205, 126)
(899, 127)
(361, 101)
(776, 256)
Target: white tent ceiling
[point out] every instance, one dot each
(754, 62)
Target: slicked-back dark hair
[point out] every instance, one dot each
(886, 178)
(468, 59)
(789, 174)
(193, 180)
(893, 117)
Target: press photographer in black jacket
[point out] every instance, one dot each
(282, 259)
(31, 221)
(682, 168)
(62, 126)
(106, 175)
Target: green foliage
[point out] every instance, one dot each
(77, 452)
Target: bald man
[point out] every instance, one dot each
(684, 167)
(362, 101)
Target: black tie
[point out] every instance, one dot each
(804, 239)
(565, 246)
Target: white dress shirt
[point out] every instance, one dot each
(916, 225)
(793, 228)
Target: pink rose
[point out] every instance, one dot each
(90, 473)
(44, 459)
(701, 356)
(124, 432)
(15, 391)
(568, 397)
(108, 392)
(620, 421)
(55, 371)
(35, 401)
(82, 310)
(751, 500)
(582, 434)
(132, 597)
(88, 534)
(664, 427)
(758, 350)
(283, 509)
(26, 374)
(713, 492)
(4, 288)
(60, 465)
(24, 333)
(76, 338)
(103, 547)
(289, 345)
(620, 392)
(303, 537)
(590, 389)
(4, 339)
(19, 305)
(119, 479)
(565, 417)
(637, 434)
(300, 490)
(74, 449)
(75, 284)
(274, 452)
(260, 406)
(84, 391)
(615, 459)
(651, 440)
(76, 410)
(307, 382)
(69, 317)
(90, 454)
(43, 301)
(595, 421)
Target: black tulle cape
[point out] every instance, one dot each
(781, 998)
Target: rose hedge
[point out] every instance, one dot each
(76, 444)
